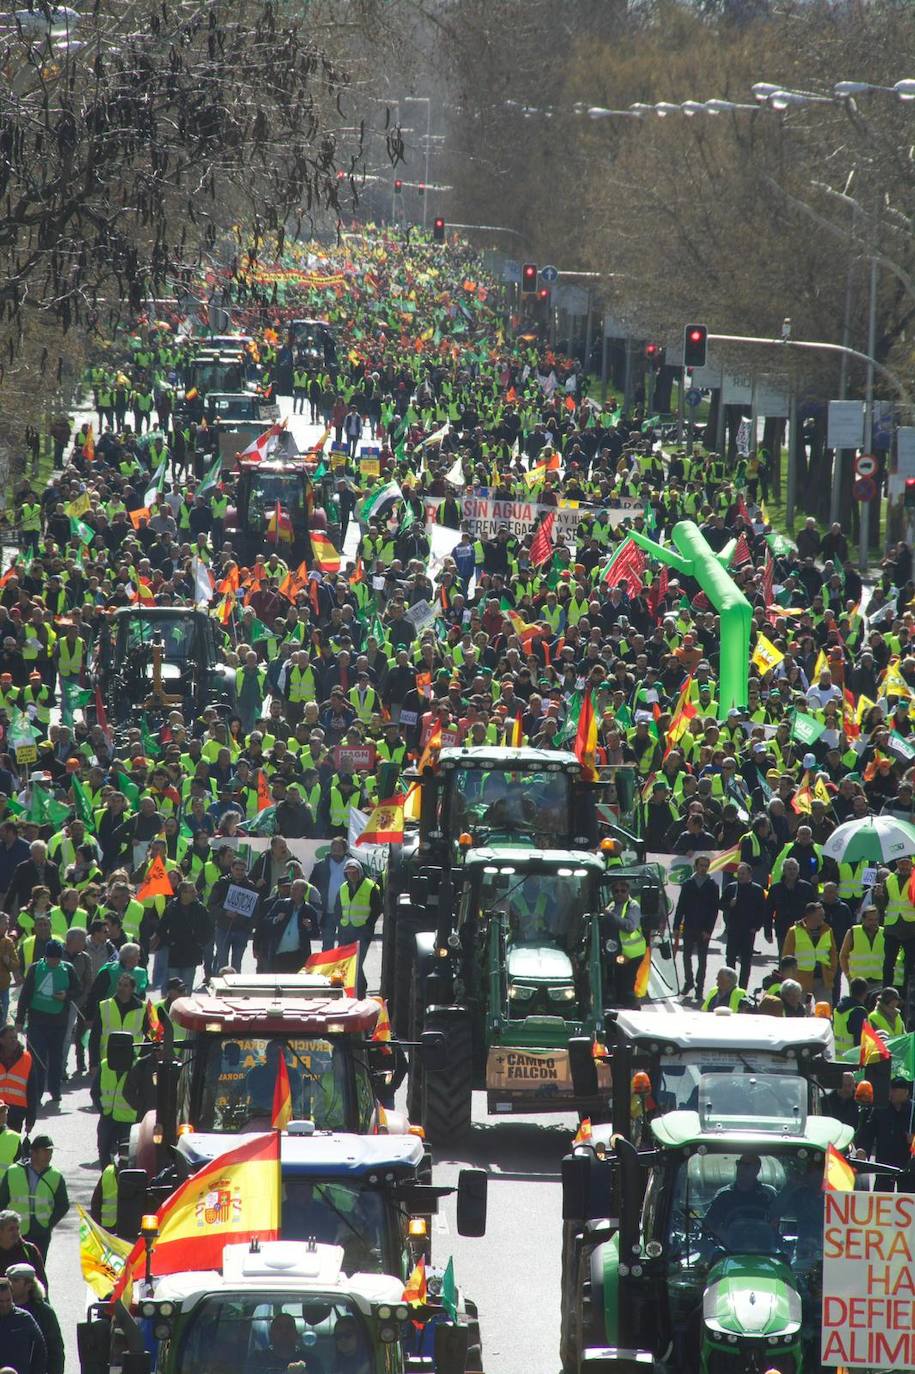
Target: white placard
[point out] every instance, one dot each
(845, 425)
(241, 900)
(868, 1280)
(421, 616)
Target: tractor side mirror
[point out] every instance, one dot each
(582, 1066)
(132, 1186)
(419, 890)
(93, 1342)
(650, 899)
(433, 1049)
(120, 1051)
(829, 1074)
(450, 1348)
(472, 1194)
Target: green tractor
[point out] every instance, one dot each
(703, 1252)
(520, 969)
(529, 798)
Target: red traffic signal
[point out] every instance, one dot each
(909, 496)
(543, 294)
(695, 345)
(438, 230)
(529, 278)
(654, 354)
(421, 188)
(398, 186)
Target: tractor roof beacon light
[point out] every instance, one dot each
(695, 345)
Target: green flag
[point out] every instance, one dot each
(45, 809)
(150, 746)
(82, 803)
(83, 532)
(900, 745)
(805, 729)
(73, 697)
(449, 1290)
(779, 544)
(409, 518)
(129, 789)
(211, 479)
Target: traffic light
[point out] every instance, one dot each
(398, 186)
(654, 354)
(909, 498)
(438, 230)
(529, 278)
(421, 188)
(543, 294)
(695, 345)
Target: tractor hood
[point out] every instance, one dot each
(538, 964)
(751, 1295)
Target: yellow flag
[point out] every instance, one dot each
(79, 506)
(821, 666)
(766, 656)
(821, 792)
(101, 1255)
(864, 705)
(894, 683)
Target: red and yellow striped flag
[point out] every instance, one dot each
(327, 560)
(282, 1097)
(416, 1288)
(644, 973)
(583, 1135)
(838, 1175)
(338, 964)
(585, 746)
(872, 1047)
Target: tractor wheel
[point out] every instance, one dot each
(387, 950)
(447, 1098)
(417, 1019)
(474, 1362)
(402, 981)
(568, 1327)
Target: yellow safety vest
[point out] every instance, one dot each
(632, 942)
(898, 908)
(111, 1094)
(865, 959)
(113, 1019)
(34, 1207)
(737, 995)
(355, 908)
(9, 1146)
(850, 879)
(810, 954)
(340, 809)
(109, 1203)
(70, 663)
(883, 1023)
(301, 684)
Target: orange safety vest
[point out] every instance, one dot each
(13, 1081)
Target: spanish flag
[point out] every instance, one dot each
(233, 1199)
(585, 746)
(583, 1135)
(327, 560)
(339, 965)
(263, 791)
(282, 1097)
(838, 1175)
(154, 1023)
(644, 973)
(89, 446)
(872, 1047)
(385, 824)
(416, 1288)
(279, 526)
(101, 1255)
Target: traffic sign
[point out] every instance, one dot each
(693, 397)
(549, 274)
(865, 489)
(866, 465)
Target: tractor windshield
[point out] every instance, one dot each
(176, 635)
(229, 1085)
(268, 488)
(337, 1214)
(536, 804)
(265, 1333)
(747, 1203)
(542, 908)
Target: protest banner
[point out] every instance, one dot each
(354, 758)
(483, 516)
(868, 1313)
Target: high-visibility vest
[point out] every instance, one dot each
(841, 1033)
(736, 996)
(632, 942)
(850, 879)
(113, 1019)
(240, 675)
(301, 684)
(355, 908)
(109, 1201)
(111, 1094)
(49, 980)
(810, 954)
(70, 660)
(31, 517)
(131, 917)
(311, 797)
(339, 808)
(40, 701)
(14, 1081)
(61, 923)
(34, 1207)
(9, 1146)
(898, 908)
(865, 959)
(367, 706)
(883, 1023)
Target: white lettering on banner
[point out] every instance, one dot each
(868, 1315)
(483, 516)
(241, 900)
(421, 615)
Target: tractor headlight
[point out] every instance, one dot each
(519, 993)
(388, 1333)
(562, 994)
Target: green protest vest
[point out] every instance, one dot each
(49, 980)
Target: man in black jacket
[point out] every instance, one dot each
(887, 1134)
(285, 929)
(697, 911)
(787, 899)
(743, 904)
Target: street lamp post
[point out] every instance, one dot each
(424, 100)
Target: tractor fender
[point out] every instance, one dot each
(603, 1294)
(142, 1148)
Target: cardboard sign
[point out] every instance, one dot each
(421, 616)
(353, 758)
(26, 753)
(338, 460)
(370, 467)
(868, 1280)
(241, 900)
(483, 516)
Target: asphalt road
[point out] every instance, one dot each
(513, 1273)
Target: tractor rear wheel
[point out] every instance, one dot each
(447, 1098)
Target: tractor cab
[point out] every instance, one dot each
(714, 1260)
(263, 489)
(160, 658)
(271, 1306)
(234, 1035)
